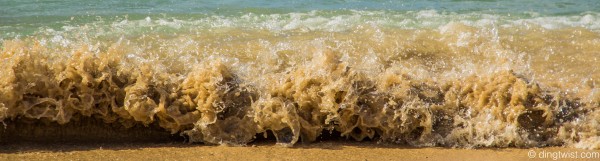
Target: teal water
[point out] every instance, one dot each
(26, 17)
(29, 8)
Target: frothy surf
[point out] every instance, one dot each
(420, 78)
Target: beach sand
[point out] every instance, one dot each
(325, 150)
(86, 140)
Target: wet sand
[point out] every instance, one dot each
(86, 140)
(326, 150)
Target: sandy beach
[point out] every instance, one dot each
(85, 140)
(326, 150)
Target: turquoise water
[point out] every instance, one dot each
(26, 17)
(50, 8)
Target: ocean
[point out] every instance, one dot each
(450, 73)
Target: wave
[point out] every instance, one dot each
(457, 85)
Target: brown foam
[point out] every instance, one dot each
(417, 87)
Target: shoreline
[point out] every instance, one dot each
(267, 150)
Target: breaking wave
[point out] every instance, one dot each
(521, 83)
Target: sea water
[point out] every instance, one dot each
(423, 73)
